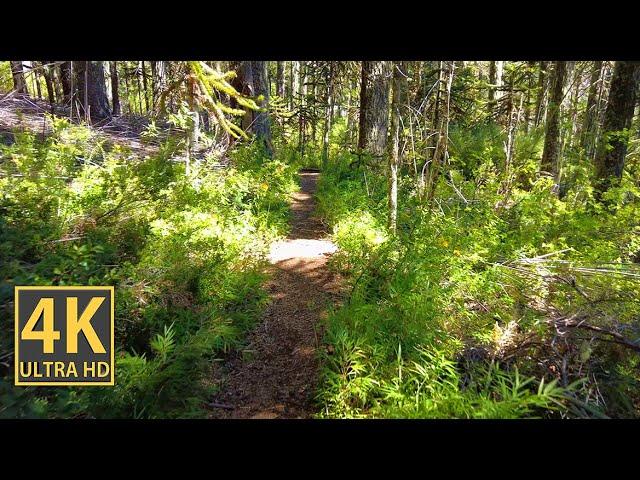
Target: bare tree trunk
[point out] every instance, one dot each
(302, 127)
(364, 80)
(495, 81)
(441, 150)
(591, 113)
(542, 76)
(35, 75)
(158, 80)
(252, 80)
(261, 121)
(527, 101)
(65, 81)
(373, 137)
(328, 118)
(617, 120)
(399, 93)
(115, 92)
(46, 73)
(138, 73)
(280, 79)
(550, 154)
(93, 90)
(127, 90)
(290, 85)
(17, 72)
(575, 94)
(145, 84)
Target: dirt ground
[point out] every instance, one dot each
(276, 375)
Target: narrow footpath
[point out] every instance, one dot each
(276, 375)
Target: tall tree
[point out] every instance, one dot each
(17, 72)
(48, 79)
(398, 102)
(542, 83)
(302, 107)
(145, 83)
(158, 80)
(612, 147)
(261, 121)
(290, 90)
(280, 79)
(92, 90)
(374, 107)
(362, 123)
(328, 118)
(550, 154)
(66, 80)
(495, 84)
(252, 80)
(591, 114)
(431, 170)
(115, 91)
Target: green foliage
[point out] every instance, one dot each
(453, 317)
(185, 254)
(6, 78)
(201, 87)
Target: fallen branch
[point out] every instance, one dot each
(577, 322)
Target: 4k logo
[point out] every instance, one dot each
(64, 336)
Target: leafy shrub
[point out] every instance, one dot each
(186, 255)
(454, 316)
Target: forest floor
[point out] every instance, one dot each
(276, 374)
(30, 114)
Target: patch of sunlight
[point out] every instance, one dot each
(300, 248)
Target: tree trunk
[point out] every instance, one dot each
(158, 80)
(542, 76)
(139, 84)
(441, 122)
(399, 94)
(374, 107)
(93, 90)
(351, 124)
(46, 73)
(35, 75)
(252, 80)
(495, 84)
(115, 92)
(591, 114)
(364, 80)
(302, 127)
(328, 118)
(65, 81)
(550, 154)
(261, 121)
(574, 133)
(19, 84)
(145, 84)
(280, 79)
(617, 120)
(290, 85)
(527, 101)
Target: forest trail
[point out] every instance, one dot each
(276, 374)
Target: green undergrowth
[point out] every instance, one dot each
(453, 316)
(185, 253)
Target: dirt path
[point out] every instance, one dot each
(276, 375)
